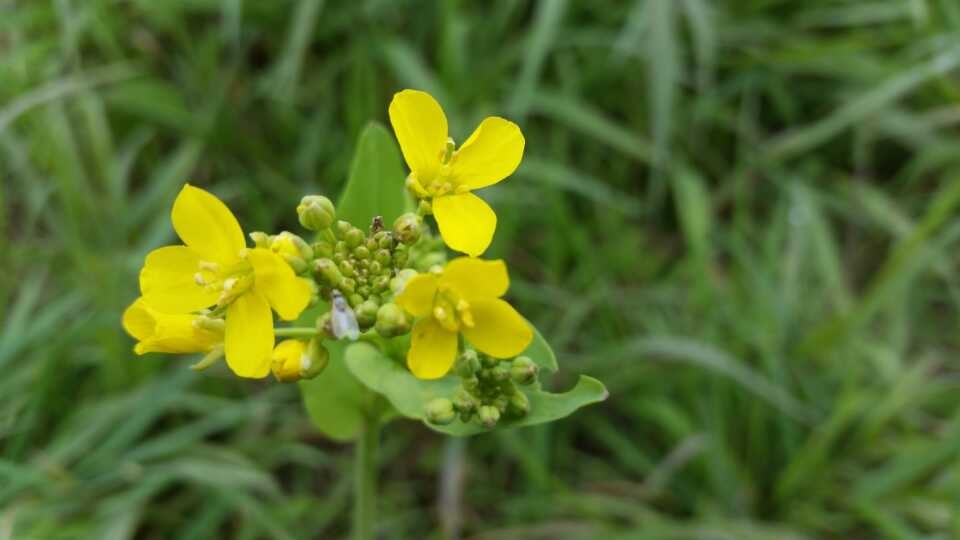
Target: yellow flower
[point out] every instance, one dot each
(215, 268)
(178, 333)
(465, 299)
(447, 177)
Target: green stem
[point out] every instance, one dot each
(296, 331)
(365, 479)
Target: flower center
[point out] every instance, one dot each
(442, 183)
(230, 281)
(451, 311)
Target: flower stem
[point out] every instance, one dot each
(365, 479)
(296, 332)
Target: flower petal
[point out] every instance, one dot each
(466, 222)
(421, 129)
(167, 281)
(164, 332)
(417, 295)
(492, 153)
(475, 279)
(275, 280)
(207, 226)
(248, 342)
(498, 330)
(432, 350)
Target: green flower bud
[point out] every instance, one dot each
(384, 240)
(499, 373)
(440, 411)
(347, 268)
(343, 227)
(372, 245)
(355, 300)
(519, 404)
(260, 239)
(340, 248)
(315, 361)
(316, 212)
(489, 416)
(354, 237)
(471, 384)
(381, 283)
(501, 402)
(299, 265)
(488, 361)
(325, 325)
(392, 321)
(347, 286)
(424, 208)
(464, 401)
(523, 370)
(367, 313)
(375, 268)
(322, 249)
(328, 271)
(364, 290)
(407, 228)
(361, 252)
(468, 364)
(383, 257)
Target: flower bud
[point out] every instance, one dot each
(375, 268)
(501, 402)
(464, 402)
(384, 240)
(383, 257)
(367, 313)
(523, 370)
(407, 228)
(489, 416)
(328, 271)
(468, 364)
(315, 361)
(361, 252)
(381, 283)
(489, 361)
(287, 243)
(499, 373)
(424, 208)
(260, 239)
(391, 321)
(343, 227)
(519, 404)
(286, 360)
(322, 249)
(354, 237)
(440, 411)
(316, 212)
(348, 286)
(347, 268)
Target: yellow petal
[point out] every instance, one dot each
(275, 280)
(421, 129)
(466, 222)
(287, 360)
(432, 350)
(498, 330)
(492, 153)
(248, 342)
(417, 295)
(164, 332)
(476, 279)
(207, 226)
(168, 284)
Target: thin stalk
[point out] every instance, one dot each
(296, 332)
(365, 480)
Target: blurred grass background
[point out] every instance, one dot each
(740, 215)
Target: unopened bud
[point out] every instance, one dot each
(519, 404)
(286, 360)
(464, 401)
(367, 313)
(287, 243)
(354, 237)
(468, 364)
(489, 361)
(328, 271)
(499, 373)
(523, 370)
(424, 208)
(260, 239)
(407, 228)
(440, 411)
(343, 227)
(316, 212)
(315, 361)
(489, 416)
(361, 252)
(347, 268)
(391, 321)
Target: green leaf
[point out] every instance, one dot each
(335, 400)
(410, 395)
(376, 185)
(540, 352)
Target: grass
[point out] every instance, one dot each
(740, 215)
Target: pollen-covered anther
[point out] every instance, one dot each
(464, 313)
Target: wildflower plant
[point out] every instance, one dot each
(382, 323)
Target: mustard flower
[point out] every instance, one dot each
(462, 299)
(446, 176)
(215, 268)
(178, 333)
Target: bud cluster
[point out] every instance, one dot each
(488, 390)
(364, 268)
